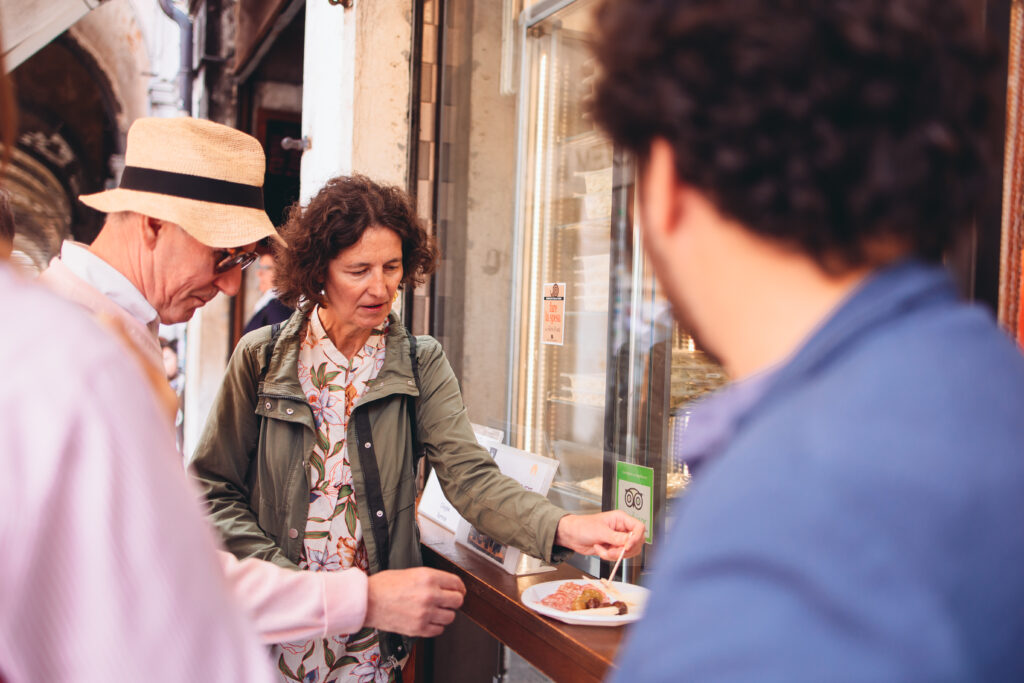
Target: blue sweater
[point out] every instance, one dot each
(864, 521)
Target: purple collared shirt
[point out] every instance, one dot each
(704, 427)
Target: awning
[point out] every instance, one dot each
(26, 26)
(259, 23)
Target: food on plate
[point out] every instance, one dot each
(613, 610)
(588, 599)
(593, 485)
(572, 596)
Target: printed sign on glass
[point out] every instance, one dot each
(634, 488)
(553, 311)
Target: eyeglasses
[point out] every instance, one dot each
(226, 259)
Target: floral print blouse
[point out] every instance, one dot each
(334, 536)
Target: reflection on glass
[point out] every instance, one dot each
(619, 386)
(565, 215)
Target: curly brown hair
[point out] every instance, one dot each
(832, 126)
(334, 220)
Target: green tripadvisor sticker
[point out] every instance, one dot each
(634, 491)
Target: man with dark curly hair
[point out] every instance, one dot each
(857, 499)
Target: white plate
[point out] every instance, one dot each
(635, 595)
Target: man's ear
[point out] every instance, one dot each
(150, 230)
(661, 194)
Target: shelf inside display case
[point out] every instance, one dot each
(590, 138)
(560, 400)
(676, 482)
(577, 463)
(576, 491)
(601, 313)
(591, 225)
(694, 375)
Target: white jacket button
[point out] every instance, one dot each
(293, 533)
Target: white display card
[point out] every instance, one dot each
(433, 503)
(482, 432)
(535, 473)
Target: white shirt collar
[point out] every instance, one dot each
(108, 280)
(267, 297)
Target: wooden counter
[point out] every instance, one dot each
(561, 651)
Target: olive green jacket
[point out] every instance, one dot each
(252, 461)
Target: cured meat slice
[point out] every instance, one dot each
(563, 598)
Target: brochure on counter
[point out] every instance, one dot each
(433, 503)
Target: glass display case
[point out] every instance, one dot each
(525, 195)
(599, 373)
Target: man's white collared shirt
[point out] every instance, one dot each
(109, 281)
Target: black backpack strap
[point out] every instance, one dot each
(375, 503)
(268, 351)
(417, 447)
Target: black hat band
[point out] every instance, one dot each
(192, 187)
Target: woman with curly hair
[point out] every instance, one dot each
(309, 456)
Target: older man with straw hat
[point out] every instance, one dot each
(179, 229)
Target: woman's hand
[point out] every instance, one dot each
(414, 602)
(602, 534)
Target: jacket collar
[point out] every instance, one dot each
(281, 359)
(395, 377)
(282, 376)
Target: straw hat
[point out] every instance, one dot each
(205, 177)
